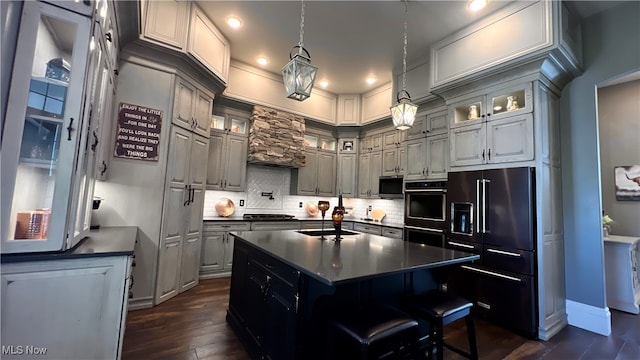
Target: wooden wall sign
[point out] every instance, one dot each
(138, 132)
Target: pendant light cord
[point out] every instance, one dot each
(404, 52)
(301, 43)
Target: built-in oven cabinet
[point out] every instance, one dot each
(432, 237)
(425, 204)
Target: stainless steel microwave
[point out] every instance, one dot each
(390, 187)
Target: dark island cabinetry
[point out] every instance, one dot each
(263, 303)
(285, 284)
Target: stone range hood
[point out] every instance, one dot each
(276, 138)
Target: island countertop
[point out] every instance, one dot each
(355, 258)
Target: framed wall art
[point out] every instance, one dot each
(627, 180)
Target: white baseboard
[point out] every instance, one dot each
(140, 303)
(590, 318)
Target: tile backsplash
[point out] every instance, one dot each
(264, 180)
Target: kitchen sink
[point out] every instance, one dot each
(328, 232)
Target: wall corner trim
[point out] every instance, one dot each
(590, 318)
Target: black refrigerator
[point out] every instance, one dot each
(492, 213)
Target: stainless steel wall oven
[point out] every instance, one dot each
(424, 213)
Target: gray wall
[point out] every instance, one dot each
(611, 43)
(619, 124)
(10, 11)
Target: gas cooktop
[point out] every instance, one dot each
(268, 217)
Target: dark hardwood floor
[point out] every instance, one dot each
(192, 326)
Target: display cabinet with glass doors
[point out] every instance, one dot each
(45, 126)
(495, 105)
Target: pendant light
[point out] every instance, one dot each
(404, 112)
(298, 75)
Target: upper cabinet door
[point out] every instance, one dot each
(40, 142)
(202, 113)
(166, 22)
(208, 45)
(183, 104)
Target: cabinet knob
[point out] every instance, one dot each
(482, 155)
(108, 36)
(489, 153)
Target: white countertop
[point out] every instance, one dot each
(622, 239)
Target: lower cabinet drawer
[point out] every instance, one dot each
(369, 229)
(217, 226)
(392, 232)
(275, 225)
(286, 273)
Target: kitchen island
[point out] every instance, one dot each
(285, 284)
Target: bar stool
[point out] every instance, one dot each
(373, 331)
(440, 308)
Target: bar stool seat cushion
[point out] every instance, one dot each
(374, 323)
(439, 304)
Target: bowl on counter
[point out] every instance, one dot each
(225, 207)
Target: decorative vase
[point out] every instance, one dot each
(605, 232)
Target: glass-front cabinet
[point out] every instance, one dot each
(44, 127)
(320, 142)
(230, 123)
(495, 105)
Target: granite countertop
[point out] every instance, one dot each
(357, 257)
(107, 241)
(399, 225)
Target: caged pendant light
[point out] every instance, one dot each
(404, 112)
(299, 74)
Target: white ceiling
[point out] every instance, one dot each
(349, 40)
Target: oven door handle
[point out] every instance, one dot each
(425, 190)
(423, 229)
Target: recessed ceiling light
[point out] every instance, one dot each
(371, 80)
(262, 60)
(475, 5)
(324, 83)
(234, 22)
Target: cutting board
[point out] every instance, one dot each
(378, 214)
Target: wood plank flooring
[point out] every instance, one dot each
(192, 326)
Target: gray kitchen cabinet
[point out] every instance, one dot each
(371, 143)
(428, 148)
(207, 44)
(181, 232)
(392, 232)
(318, 176)
(275, 225)
(163, 23)
(347, 175)
(227, 167)
(394, 161)
(495, 141)
(217, 247)
(367, 228)
(183, 27)
(492, 126)
(369, 171)
(427, 158)
(192, 107)
(38, 294)
(393, 153)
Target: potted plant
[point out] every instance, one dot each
(606, 224)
